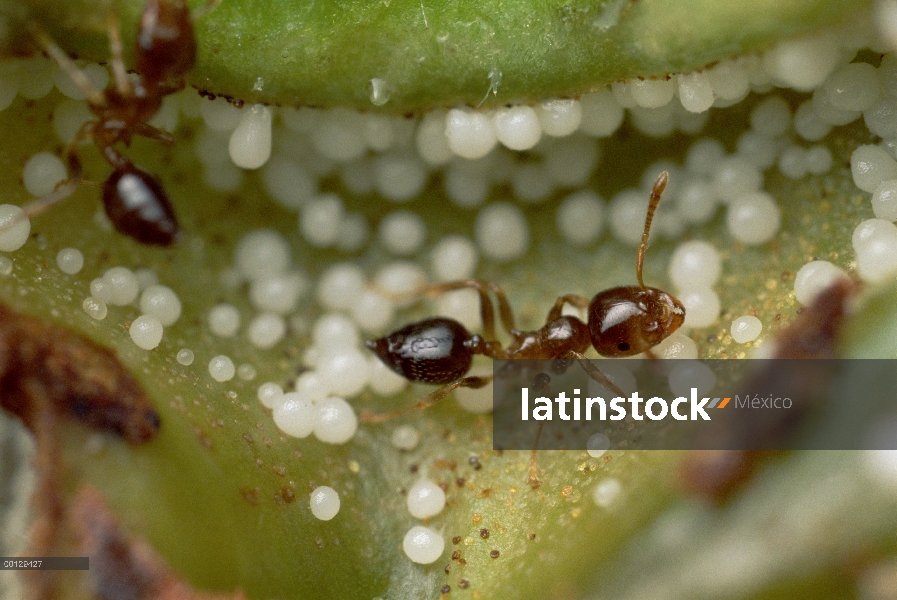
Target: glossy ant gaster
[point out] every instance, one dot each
(622, 321)
(164, 53)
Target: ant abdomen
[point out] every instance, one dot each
(138, 207)
(629, 320)
(165, 49)
(430, 351)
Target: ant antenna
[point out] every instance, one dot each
(659, 186)
(36, 207)
(94, 97)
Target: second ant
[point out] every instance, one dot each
(164, 53)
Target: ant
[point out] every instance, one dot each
(164, 52)
(622, 321)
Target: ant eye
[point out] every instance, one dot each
(623, 347)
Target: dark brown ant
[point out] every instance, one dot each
(622, 321)
(164, 53)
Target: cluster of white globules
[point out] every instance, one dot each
(475, 151)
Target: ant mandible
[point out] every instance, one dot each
(164, 52)
(622, 321)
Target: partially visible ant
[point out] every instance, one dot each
(622, 321)
(164, 53)
(717, 475)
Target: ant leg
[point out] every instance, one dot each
(63, 190)
(119, 71)
(430, 399)
(504, 307)
(656, 192)
(540, 385)
(594, 372)
(576, 300)
(85, 132)
(93, 95)
(154, 133)
(487, 313)
(36, 207)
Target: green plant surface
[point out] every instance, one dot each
(437, 53)
(812, 514)
(210, 492)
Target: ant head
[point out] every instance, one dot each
(625, 321)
